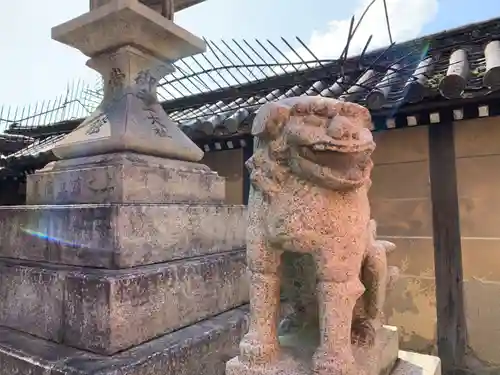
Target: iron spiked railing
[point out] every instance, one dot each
(232, 64)
(78, 101)
(225, 64)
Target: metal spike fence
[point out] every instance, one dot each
(78, 101)
(225, 64)
(232, 64)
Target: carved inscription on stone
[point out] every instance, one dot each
(96, 124)
(159, 128)
(116, 78)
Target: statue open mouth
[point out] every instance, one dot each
(336, 165)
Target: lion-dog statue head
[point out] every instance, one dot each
(323, 141)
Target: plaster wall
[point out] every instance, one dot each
(228, 164)
(400, 198)
(477, 150)
(401, 204)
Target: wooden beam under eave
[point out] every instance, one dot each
(451, 325)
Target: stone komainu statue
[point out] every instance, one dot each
(310, 174)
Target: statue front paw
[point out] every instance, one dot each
(339, 363)
(255, 351)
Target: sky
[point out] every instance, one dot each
(37, 68)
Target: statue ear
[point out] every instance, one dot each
(269, 121)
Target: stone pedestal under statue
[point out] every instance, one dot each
(126, 259)
(298, 349)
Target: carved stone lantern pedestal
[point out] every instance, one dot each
(132, 47)
(128, 150)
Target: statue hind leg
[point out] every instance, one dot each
(368, 316)
(338, 290)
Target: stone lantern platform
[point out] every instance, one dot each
(126, 259)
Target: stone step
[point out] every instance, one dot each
(201, 349)
(119, 236)
(106, 311)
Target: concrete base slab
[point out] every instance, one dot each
(201, 349)
(407, 363)
(410, 363)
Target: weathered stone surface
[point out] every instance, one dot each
(110, 312)
(310, 176)
(124, 178)
(298, 351)
(31, 299)
(17, 240)
(410, 363)
(106, 311)
(387, 351)
(119, 236)
(202, 348)
(127, 22)
(154, 4)
(132, 47)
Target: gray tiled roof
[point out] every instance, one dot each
(10, 143)
(417, 78)
(25, 159)
(38, 146)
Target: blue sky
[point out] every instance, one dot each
(37, 68)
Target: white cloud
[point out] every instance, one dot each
(407, 18)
